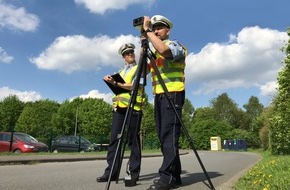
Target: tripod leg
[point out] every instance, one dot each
(133, 138)
(118, 156)
(122, 151)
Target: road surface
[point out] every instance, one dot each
(223, 168)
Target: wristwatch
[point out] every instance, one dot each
(148, 30)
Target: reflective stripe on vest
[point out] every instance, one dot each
(172, 73)
(122, 100)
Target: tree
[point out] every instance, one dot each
(94, 118)
(205, 127)
(10, 109)
(187, 118)
(204, 113)
(264, 122)
(280, 128)
(203, 130)
(251, 138)
(90, 117)
(225, 109)
(253, 110)
(187, 113)
(35, 118)
(64, 121)
(148, 128)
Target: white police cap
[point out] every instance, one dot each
(158, 19)
(126, 47)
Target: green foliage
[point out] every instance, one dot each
(250, 137)
(225, 109)
(205, 126)
(264, 137)
(94, 118)
(203, 130)
(151, 142)
(264, 122)
(88, 117)
(204, 113)
(253, 110)
(148, 127)
(91, 118)
(280, 127)
(64, 120)
(35, 118)
(10, 109)
(187, 118)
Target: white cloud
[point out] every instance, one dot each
(26, 96)
(4, 57)
(269, 89)
(17, 18)
(96, 94)
(252, 58)
(102, 6)
(76, 53)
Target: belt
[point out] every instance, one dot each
(162, 95)
(123, 110)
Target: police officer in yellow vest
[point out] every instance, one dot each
(120, 104)
(170, 61)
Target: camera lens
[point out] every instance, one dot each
(138, 21)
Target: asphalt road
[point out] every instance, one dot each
(223, 168)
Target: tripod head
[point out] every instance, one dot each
(144, 42)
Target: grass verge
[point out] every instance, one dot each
(271, 173)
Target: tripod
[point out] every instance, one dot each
(147, 53)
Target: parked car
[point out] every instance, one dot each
(22, 143)
(70, 143)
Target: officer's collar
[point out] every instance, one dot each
(130, 65)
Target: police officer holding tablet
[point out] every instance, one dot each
(120, 105)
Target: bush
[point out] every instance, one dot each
(264, 137)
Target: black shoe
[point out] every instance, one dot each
(105, 178)
(158, 185)
(131, 180)
(178, 181)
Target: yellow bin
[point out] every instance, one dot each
(215, 143)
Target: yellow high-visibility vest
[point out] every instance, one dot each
(122, 100)
(172, 73)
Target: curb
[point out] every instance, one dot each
(32, 159)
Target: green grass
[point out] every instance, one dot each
(271, 173)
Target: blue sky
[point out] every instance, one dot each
(61, 49)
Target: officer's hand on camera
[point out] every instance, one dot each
(146, 23)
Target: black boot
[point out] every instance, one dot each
(105, 178)
(131, 180)
(177, 182)
(159, 185)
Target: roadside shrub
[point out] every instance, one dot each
(264, 137)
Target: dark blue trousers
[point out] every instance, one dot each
(168, 127)
(133, 140)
